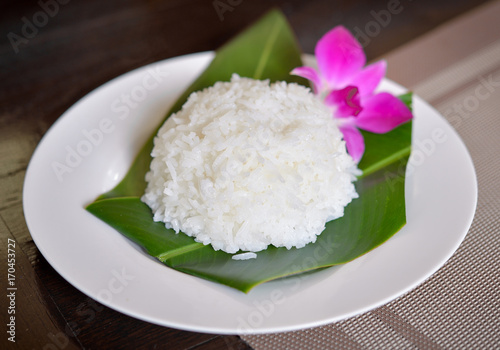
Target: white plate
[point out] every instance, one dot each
(74, 163)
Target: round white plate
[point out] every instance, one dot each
(90, 148)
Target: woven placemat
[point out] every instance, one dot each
(458, 307)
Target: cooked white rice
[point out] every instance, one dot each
(246, 164)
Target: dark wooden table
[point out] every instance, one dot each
(53, 52)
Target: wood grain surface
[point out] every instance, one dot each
(53, 52)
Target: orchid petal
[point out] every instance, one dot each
(354, 141)
(382, 113)
(346, 100)
(339, 56)
(368, 79)
(310, 74)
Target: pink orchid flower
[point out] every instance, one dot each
(350, 89)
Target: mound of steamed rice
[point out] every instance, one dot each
(246, 164)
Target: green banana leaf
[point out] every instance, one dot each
(268, 50)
